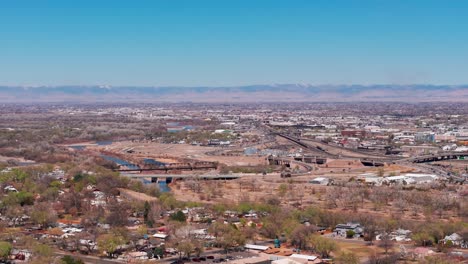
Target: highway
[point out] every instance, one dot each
(415, 162)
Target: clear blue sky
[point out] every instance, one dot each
(220, 42)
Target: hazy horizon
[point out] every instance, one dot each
(250, 93)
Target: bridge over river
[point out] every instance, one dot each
(170, 177)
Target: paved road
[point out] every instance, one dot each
(89, 259)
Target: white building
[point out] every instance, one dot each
(320, 181)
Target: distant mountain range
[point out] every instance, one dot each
(251, 93)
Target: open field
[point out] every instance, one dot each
(172, 152)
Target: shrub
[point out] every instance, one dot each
(350, 234)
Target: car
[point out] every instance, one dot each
(210, 257)
(202, 259)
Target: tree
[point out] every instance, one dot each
(183, 239)
(422, 239)
(108, 183)
(442, 204)
(401, 204)
(350, 234)
(71, 260)
(154, 214)
(385, 242)
(42, 253)
(282, 189)
(227, 236)
(381, 172)
(158, 252)
(25, 198)
(5, 250)
(72, 201)
(347, 258)
(300, 235)
(109, 243)
(42, 250)
(42, 215)
(146, 211)
(333, 196)
(250, 232)
(370, 228)
(119, 212)
(273, 224)
(186, 247)
(142, 230)
(437, 260)
(92, 216)
(322, 246)
(388, 259)
(178, 216)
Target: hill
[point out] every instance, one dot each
(252, 93)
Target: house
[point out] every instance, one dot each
(251, 214)
(20, 254)
(161, 236)
(320, 181)
(456, 240)
(341, 229)
(398, 235)
(10, 188)
(232, 220)
(410, 178)
(99, 198)
(370, 179)
(18, 221)
(202, 234)
(401, 235)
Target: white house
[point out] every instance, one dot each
(456, 240)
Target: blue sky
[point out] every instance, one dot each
(232, 43)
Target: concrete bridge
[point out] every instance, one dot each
(436, 157)
(307, 146)
(198, 165)
(311, 159)
(376, 161)
(372, 162)
(170, 177)
(289, 163)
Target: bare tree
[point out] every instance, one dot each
(385, 242)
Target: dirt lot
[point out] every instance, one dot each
(173, 152)
(132, 195)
